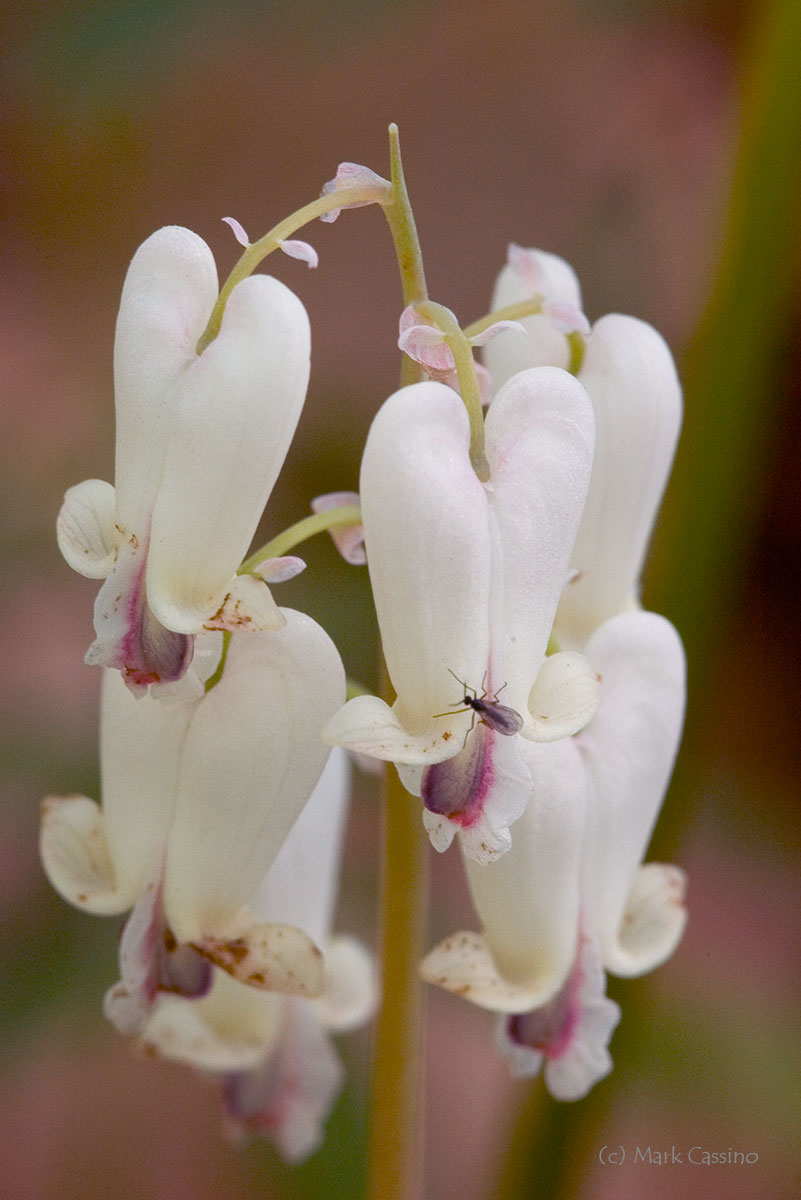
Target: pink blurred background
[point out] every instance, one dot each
(601, 131)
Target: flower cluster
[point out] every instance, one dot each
(523, 586)
(223, 810)
(537, 708)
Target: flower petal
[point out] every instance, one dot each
(528, 900)
(629, 374)
(235, 412)
(532, 273)
(75, 855)
(367, 725)
(251, 759)
(289, 1096)
(350, 994)
(653, 920)
(169, 292)
(248, 607)
(276, 958)
(629, 748)
(564, 697)
(539, 439)
(464, 964)
(85, 528)
(426, 528)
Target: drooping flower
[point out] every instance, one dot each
(198, 799)
(466, 576)
(571, 896)
(199, 443)
(571, 899)
(630, 376)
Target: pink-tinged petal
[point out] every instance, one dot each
(350, 993)
(653, 922)
(351, 175)
(278, 570)
(528, 900)
(629, 748)
(492, 331)
(630, 376)
(300, 250)
(275, 958)
(570, 1034)
(426, 525)
(169, 292)
(235, 412)
(152, 963)
(252, 757)
(75, 856)
(141, 742)
(237, 230)
(425, 343)
(130, 639)
(289, 1096)
(564, 697)
(85, 528)
(567, 318)
(478, 794)
(464, 964)
(248, 607)
(532, 274)
(348, 539)
(539, 443)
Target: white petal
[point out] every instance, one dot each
(629, 373)
(629, 747)
(564, 697)
(276, 958)
(300, 887)
(141, 743)
(168, 296)
(350, 993)
(75, 855)
(252, 758)
(464, 964)
(85, 528)
(528, 900)
(232, 1029)
(539, 438)
(426, 528)
(248, 606)
(367, 725)
(235, 412)
(544, 345)
(653, 920)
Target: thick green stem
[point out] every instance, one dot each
(462, 351)
(396, 1129)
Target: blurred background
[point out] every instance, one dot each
(655, 145)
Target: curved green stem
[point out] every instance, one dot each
(258, 251)
(444, 319)
(347, 514)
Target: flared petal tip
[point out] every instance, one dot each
(463, 964)
(367, 725)
(75, 855)
(275, 958)
(653, 922)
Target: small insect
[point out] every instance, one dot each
(486, 708)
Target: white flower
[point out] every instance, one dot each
(466, 577)
(198, 799)
(200, 441)
(629, 373)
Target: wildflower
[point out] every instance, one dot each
(466, 577)
(200, 441)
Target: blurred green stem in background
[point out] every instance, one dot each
(730, 376)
